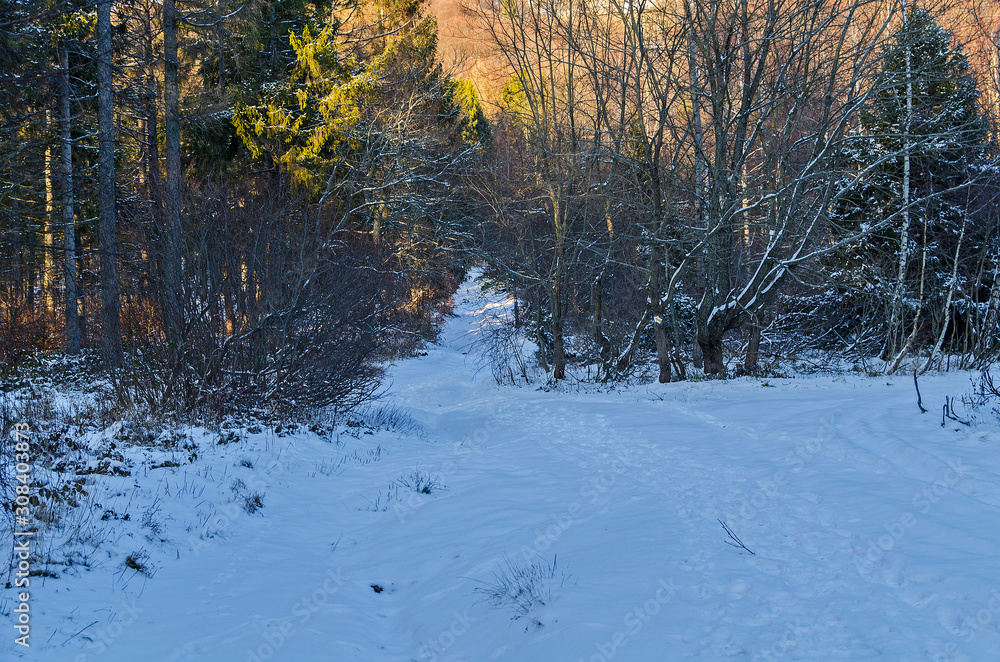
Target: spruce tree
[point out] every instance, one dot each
(919, 135)
(944, 126)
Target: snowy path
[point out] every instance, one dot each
(874, 530)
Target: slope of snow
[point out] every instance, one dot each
(873, 529)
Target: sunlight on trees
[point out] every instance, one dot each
(692, 186)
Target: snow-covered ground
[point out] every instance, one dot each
(870, 531)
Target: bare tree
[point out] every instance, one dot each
(546, 70)
(733, 120)
(780, 84)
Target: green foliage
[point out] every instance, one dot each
(344, 108)
(309, 123)
(515, 98)
(74, 25)
(237, 52)
(247, 45)
(473, 127)
(373, 128)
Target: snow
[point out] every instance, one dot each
(873, 529)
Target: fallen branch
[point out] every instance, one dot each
(738, 543)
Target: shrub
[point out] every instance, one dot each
(294, 315)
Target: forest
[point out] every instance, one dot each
(512, 330)
(229, 204)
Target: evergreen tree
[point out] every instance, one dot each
(371, 125)
(941, 132)
(944, 126)
(919, 136)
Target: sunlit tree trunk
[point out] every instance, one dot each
(111, 342)
(49, 232)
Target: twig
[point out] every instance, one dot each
(948, 411)
(738, 543)
(79, 633)
(917, 386)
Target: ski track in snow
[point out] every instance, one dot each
(873, 530)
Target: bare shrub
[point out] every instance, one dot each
(285, 311)
(501, 347)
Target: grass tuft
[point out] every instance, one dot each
(521, 588)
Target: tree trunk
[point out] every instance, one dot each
(904, 239)
(69, 222)
(712, 188)
(987, 341)
(556, 291)
(48, 233)
(655, 303)
(711, 349)
(697, 356)
(625, 359)
(710, 333)
(753, 349)
(517, 308)
(151, 124)
(173, 295)
(539, 334)
(558, 352)
(111, 341)
(600, 339)
(662, 351)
